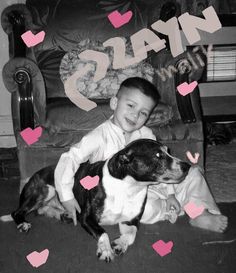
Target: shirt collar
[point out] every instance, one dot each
(115, 127)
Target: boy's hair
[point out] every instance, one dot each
(143, 85)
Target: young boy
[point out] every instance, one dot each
(132, 107)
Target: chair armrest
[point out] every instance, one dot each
(15, 20)
(23, 77)
(189, 106)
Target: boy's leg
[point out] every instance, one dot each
(156, 207)
(195, 189)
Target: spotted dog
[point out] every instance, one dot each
(119, 198)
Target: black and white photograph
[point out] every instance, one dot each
(118, 136)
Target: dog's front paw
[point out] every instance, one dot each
(24, 227)
(119, 246)
(104, 250)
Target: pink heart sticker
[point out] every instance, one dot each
(193, 210)
(192, 159)
(37, 259)
(163, 248)
(31, 136)
(118, 19)
(185, 88)
(89, 182)
(31, 39)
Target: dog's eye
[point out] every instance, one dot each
(158, 154)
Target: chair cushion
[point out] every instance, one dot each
(178, 131)
(63, 115)
(67, 124)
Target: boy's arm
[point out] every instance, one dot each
(64, 177)
(69, 163)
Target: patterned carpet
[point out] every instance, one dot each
(221, 171)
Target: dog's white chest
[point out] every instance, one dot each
(124, 200)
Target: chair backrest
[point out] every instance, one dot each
(68, 22)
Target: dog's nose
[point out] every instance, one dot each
(185, 166)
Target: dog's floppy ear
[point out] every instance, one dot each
(126, 158)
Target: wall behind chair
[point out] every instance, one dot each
(7, 138)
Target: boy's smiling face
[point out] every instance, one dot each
(131, 109)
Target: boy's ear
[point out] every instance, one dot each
(113, 103)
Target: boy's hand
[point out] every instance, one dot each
(173, 202)
(72, 206)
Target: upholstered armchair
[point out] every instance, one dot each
(38, 97)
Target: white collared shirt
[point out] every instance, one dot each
(100, 144)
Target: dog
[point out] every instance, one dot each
(119, 198)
